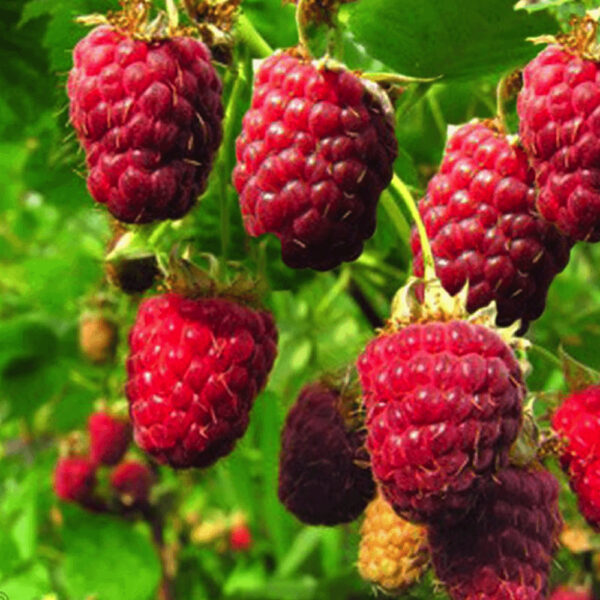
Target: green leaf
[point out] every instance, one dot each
(465, 38)
(107, 558)
(33, 583)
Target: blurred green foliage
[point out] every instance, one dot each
(52, 243)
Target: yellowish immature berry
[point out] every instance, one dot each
(393, 552)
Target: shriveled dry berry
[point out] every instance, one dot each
(132, 481)
(504, 548)
(479, 213)
(148, 115)
(98, 337)
(393, 553)
(195, 367)
(109, 438)
(315, 153)
(323, 479)
(559, 112)
(444, 404)
(74, 479)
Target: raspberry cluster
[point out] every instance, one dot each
(479, 213)
(443, 403)
(149, 118)
(194, 369)
(315, 153)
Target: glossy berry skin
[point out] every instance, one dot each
(503, 549)
(132, 481)
(74, 479)
(148, 115)
(109, 438)
(559, 111)
(564, 593)
(315, 152)
(444, 404)
(479, 213)
(240, 538)
(320, 479)
(577, 421)
(195, 367)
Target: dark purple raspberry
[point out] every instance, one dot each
(480, 220)
(321, 478)
(195, 368)
(315, 153)
(148, 115)
(559, 112)
(503, 549)
(444, 405)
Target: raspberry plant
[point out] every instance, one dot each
(207, 335)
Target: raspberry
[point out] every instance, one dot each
(559, 111)
(478, 213)
(578, 422)
(319, 479)
(315, 153)
(148, 115)
(132, 481)
(240, 538)
(74, 479)
(443, 404)
(504, 548)
(393, 553)
(98, 338)
(564, 593)
(109, 438)
(195, 367)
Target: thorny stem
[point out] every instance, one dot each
(248, 35)
(409, 202)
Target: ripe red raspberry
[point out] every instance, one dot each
(443, 404)
(195, 367)
(109, 438)
(478, 213)
(321, 480)
(559, 111)
(564, 593)
(504, 548)
(240, 538)
(315, 153)
(148, 115)
(132, 481)
(74, 479)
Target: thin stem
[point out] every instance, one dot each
(436, 111)
(409, 202)
(248, 35)
(301, 25)
(365, 306)
(500, 97)
(551, 358)
(157, 233)
(155, 521)
(340, 285)
(396, 216)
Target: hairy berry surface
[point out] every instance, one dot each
(109, 438)
(148, 115)
(503, 550)
(315, 153)
(479, 213)
(195, 367)
(559, 111)
(444, 404)
(320, 480)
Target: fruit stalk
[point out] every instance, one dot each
(248, 35)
